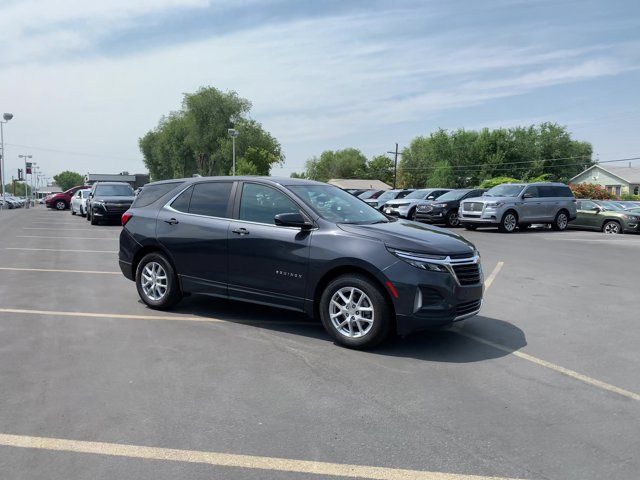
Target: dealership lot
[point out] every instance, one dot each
(542, 384)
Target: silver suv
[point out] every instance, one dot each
(510, 205)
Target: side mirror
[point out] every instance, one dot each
(293, 219)
(596, 209)
(527, 195)
(431, 197)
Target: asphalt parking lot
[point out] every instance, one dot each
(543, 384)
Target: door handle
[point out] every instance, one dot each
(172, 221)
(241, 231)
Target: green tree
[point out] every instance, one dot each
(347, 163)
(195, 139)
(68, 179)
(380, 167)
(19, 189)
(492, 182)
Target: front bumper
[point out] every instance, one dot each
(431, 300)
(432, 216)
(397, 211)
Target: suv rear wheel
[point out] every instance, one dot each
(157, 282)
(509, 222)
(561, 221)
(354, 312)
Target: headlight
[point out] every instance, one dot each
(633, 218)
(422, 261)
(98, 203)
(494, 204)
(442, 205)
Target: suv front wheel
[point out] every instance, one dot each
(157, 282)
(561, 221)
(354, 312)
(509, 222)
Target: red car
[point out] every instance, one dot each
(61, 201)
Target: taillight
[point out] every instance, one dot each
(126, 216)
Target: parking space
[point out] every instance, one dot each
(542, 384)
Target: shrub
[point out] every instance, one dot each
(590, 190)
(630, 196)
(492, 182)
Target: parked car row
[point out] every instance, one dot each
(508, 207)
(10, 202)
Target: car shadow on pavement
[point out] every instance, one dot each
(453, 345)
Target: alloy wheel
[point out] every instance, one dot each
(454, 220)
(562, 221)
(612, 228)
(154, 281)
(351, 312)
(510, 222)
(61, 205)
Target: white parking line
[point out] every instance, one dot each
(252, 462)
(59, 250)
(16, 269)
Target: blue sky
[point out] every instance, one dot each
(85, 81)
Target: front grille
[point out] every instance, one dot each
(117, 207)
(425, 208)
(467, 274)
(457, 256)
(430, 296)
(468, 307)
(473, 206)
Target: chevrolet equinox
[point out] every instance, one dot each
(300, 245)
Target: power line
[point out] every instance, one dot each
(81, 154)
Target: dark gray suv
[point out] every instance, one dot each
(300, 245)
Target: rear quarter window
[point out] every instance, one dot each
(151, 193)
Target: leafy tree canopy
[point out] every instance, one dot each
(67, 179)
(195, 139)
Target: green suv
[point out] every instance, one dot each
(606, 217)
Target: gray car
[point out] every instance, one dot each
(406, 207)
(510, 205)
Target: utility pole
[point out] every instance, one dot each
(6, 117)
(395, 165)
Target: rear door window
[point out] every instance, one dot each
(547, 191)
(211, 199)
(182, 201)
(151, 193)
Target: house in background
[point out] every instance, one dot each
(617, 180)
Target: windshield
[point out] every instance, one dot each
(505, 190)
(336, 205)
(368, 194)
(611, 206)
(389, 195)
(418, 194)
(452, 195)
(114, 191)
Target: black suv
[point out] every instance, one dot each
(300, 245)
(108, 201)
(445, 208)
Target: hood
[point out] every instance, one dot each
(114, 199)
(401, 202)
(490, 199)
(413, 237)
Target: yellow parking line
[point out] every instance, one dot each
(59, 250)
(274, 464)
(16, 269)
(174, 318)
(557, 368)
(493, 275)
(543, 363)
(68, 238)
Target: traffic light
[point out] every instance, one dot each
(28, 167)
(20, 175)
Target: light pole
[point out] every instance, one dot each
(5, 118)
(233, 133)
(27, 168)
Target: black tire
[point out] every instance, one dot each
(452, 220)
(61, 205)
(561, 221)
(412, 214)
(82, 214)
(611, 227)
(94, 220)
(73, 212)
(172, 293)
(469, 227)
(381, 312)
(508, 222)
